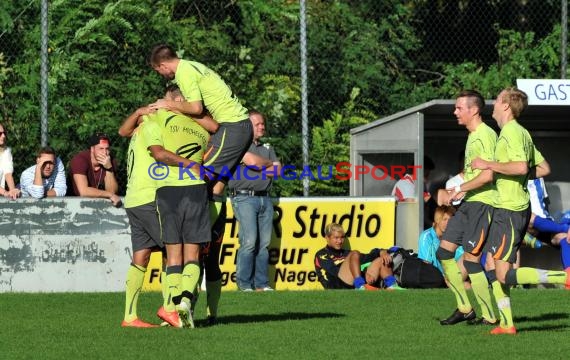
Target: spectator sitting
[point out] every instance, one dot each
(46, 178)
(93, 171)
(6, 168)
(338, 268)
(428, 242)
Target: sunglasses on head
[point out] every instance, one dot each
(103, 137)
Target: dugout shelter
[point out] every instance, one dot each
(431, 129)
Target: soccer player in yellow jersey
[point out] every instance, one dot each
(141, 211)
(515, 158)
(204, 91)
(141, 207)
(177, 143)
(470, 225)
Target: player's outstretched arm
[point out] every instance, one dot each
(505, 168)
(194, 108)
(169, 158)
(131, 122)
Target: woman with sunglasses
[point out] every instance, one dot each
(6, 168)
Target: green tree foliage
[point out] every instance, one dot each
(456, 31)
(357, 47)
(329, 148)
(4, 69)
(367, 59)
(352, 44)
(521, 56)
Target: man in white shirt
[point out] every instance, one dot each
(46, 178)
(404, 190)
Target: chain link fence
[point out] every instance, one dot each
(357, 54)
(453, 32)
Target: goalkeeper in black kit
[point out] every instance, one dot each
(339, 268)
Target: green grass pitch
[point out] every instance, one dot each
(282, 325)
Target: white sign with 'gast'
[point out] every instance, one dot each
(546, 91)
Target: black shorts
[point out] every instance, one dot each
(184, 214)
(506, 234)
(334, 282)
(226, 148)
(145, 228)
(469, 227)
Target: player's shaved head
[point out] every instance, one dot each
(173, 91)
(160, 53)
(474, 98)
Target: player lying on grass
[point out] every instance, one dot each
(541, 222)
(339, 268)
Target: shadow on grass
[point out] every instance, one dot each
(542, 328)
(254, 318)
(542, 317)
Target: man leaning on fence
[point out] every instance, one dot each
(46, 178)
(93, 171)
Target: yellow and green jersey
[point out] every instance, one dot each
(199, 83)
(514, 144)
(480, 143)
(182, 136)
(141, 188)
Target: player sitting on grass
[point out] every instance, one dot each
(339, 268)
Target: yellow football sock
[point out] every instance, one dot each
(135, 278)
(502, 297)
(480, 287)
(174, 289)
(213, 292)
(190, 277)
(453, 276)
(527, 275)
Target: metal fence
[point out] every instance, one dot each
(450, 32)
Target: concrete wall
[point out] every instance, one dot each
(78, 244)
(64, 244)
(83, 245)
